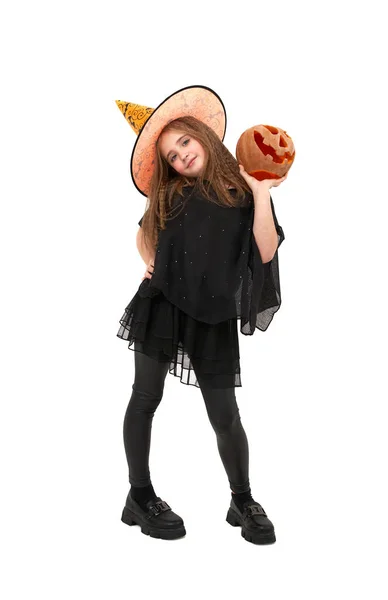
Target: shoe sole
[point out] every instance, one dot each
(129, 518)
(256, 538)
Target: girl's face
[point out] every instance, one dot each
(184, 153)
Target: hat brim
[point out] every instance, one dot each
(197, 101)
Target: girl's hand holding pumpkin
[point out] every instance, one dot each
(257, 185)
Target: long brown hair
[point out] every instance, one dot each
(221, 169)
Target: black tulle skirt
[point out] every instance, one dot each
(198, 353)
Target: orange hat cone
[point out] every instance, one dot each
(135, 114)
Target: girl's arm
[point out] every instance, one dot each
(263, 226)
(143, 250)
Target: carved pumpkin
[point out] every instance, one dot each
(265, 152)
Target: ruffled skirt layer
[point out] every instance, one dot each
(200, 354)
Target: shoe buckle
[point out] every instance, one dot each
(158, 507)
(255, 509)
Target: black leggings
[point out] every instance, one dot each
(222, 411)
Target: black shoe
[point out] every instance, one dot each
(158, 521)
(255, 525)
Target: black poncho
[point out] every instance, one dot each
(208, 273)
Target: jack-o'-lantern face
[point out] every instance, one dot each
(266, 152)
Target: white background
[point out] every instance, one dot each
(314, 385)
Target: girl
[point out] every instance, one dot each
(209, 237)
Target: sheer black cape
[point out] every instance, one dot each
(208, 264)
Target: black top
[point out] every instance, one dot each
(208, 264)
